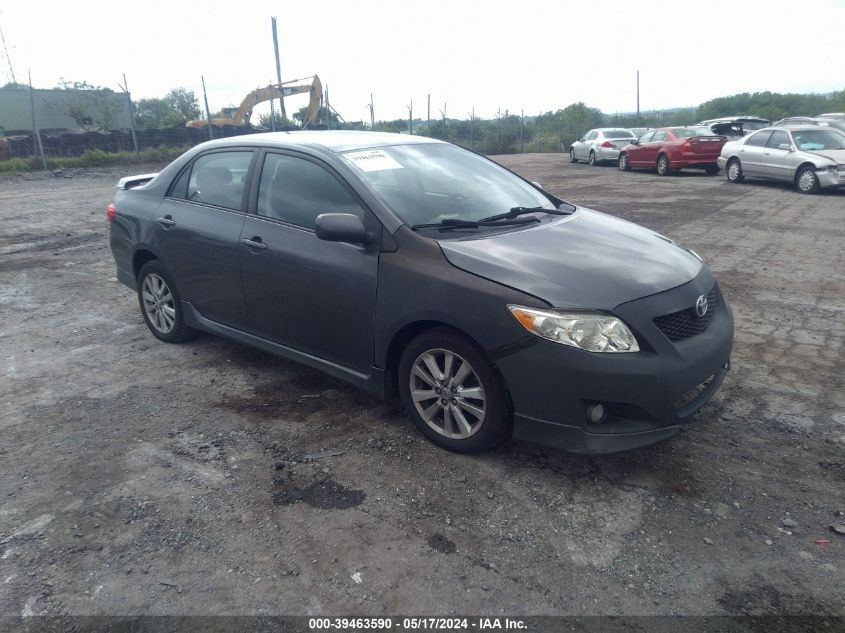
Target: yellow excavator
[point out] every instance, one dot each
(273, 91)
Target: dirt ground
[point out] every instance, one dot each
(143, 478)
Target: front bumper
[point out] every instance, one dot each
(647, 394)
(828, 179)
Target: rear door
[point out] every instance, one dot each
(751, 154)
(302, 292)
(778, 163)
(198, 226)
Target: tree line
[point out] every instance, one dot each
(506, 133)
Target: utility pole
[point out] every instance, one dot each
(411, 117)
(279, 75)
(638, 98)
(272, 117)
(522, 132)
(498, 119)
(328, 110)
(207, 111)
(35, 130)
(443, 114)
(372, 114)
(428, 116)
(125, 88)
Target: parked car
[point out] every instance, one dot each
(735, 127)
(600, 145)
(834, 115)
(806, 120)
(670, 149)
(408, 265)
(811, 157)
(639, 131)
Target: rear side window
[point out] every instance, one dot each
(296, 191)
(777, 139)
(759, 139)
(217, 179)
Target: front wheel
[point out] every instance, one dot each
(452, 392)
(624, 165)
(734, 171)
(161, 305)
(806, 180)
(572, 158)
(663, 168)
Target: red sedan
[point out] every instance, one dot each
(669, 149)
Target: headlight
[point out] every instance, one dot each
(589, 331)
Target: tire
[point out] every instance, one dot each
(663, 167)
(465, 424)
(592, 161)
(733, 171)
(161, 304)
(623, 163)
(711, 170)
(806, 180)
(572, 158)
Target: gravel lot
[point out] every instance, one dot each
(142, 478)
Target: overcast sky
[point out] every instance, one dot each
(496, 54)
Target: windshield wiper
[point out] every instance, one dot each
(456, 223)
(518, 211)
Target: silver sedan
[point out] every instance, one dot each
(600, 145)
(809, 156)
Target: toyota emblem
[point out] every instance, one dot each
(701, 306)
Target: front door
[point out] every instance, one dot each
(637, 153)
(197, 229)
(778, 163)
(314, 296)
(751, 153)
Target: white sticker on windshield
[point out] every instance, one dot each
(372, 160)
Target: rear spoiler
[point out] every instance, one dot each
(130, 182)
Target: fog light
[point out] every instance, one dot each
(596, 413)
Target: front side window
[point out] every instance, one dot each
(759, 139)
(218, 179)
(430, 182)
(660, 135)
(296, 191)
(777, 139)
(646, 138)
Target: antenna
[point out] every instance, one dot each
(8, 59)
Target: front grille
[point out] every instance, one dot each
(683, 324)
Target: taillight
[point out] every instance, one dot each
(607, 144)
(110, 211)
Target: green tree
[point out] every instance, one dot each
(184, 102)
(155, 113)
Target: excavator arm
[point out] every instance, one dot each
(273, 91)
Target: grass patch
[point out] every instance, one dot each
(92, 158)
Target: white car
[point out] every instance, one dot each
(809, 156)
(600, 145)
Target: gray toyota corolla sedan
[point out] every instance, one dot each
(408, 266)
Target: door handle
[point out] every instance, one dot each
(167, 221)
(254, 242)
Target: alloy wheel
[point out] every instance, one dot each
(734, 171)
(623, 162)
(806, 181)
(448, 394)
(158, 303)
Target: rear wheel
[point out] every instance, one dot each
(734, 171)
(592, 160)
(806, 180)
(623, 162)
(663, 167)
(161, 305)
(452, 393)
(711, 170)
(572, 158)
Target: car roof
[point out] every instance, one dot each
(332, 140)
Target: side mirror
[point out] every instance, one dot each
(785, 146)
(341, 227)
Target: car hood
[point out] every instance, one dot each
(587, 260)
(836, 155)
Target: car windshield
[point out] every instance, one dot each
(425, 183)
(618, 134)
(812, 140)
(689, 132)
